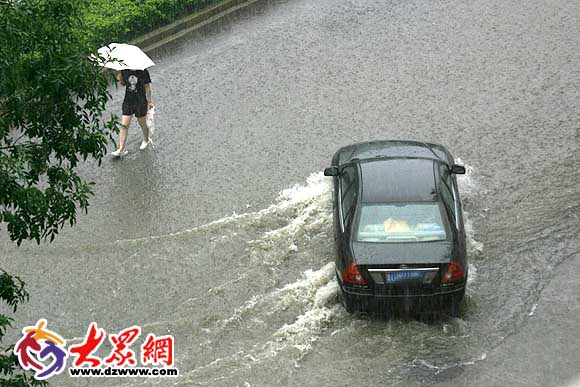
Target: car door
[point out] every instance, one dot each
(446, 189)
(348, 191)
(450, 194)
(461, 225)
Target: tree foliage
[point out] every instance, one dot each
(12, 292)
(52, 98)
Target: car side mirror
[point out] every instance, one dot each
(458, 169)
(331, 171)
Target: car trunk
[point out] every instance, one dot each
(403, 269)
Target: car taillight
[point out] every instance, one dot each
(353, 275)
(453, 274)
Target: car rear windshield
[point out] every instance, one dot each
(417, 222)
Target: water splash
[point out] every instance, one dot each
(314, 293)
(474, 247)
(467, 183)
(289, 201)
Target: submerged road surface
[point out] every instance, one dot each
(222, 236)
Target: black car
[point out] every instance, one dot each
(399, 229)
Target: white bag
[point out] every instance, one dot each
(151, 120)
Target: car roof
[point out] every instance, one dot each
(398, 180)
(393, 148)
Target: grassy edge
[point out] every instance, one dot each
(123, 20)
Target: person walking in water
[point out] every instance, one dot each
(137, 101)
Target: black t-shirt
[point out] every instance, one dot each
(135, 81)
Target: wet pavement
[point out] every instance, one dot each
(544, 352)
(221, 234)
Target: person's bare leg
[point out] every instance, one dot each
(125, 122)
(143, 122)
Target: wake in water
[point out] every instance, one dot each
(282, 322)
(257, 296)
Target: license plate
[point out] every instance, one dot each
(399, 276)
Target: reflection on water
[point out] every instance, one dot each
(137, 194)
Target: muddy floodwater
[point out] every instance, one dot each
(221, 235)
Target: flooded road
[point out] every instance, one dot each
(222, 235)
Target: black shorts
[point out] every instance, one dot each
(138, 110)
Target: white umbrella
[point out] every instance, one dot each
(121, 56)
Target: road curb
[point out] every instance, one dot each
(177, 29)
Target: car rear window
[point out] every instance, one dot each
(420, 222)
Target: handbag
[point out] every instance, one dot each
(151, 120)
